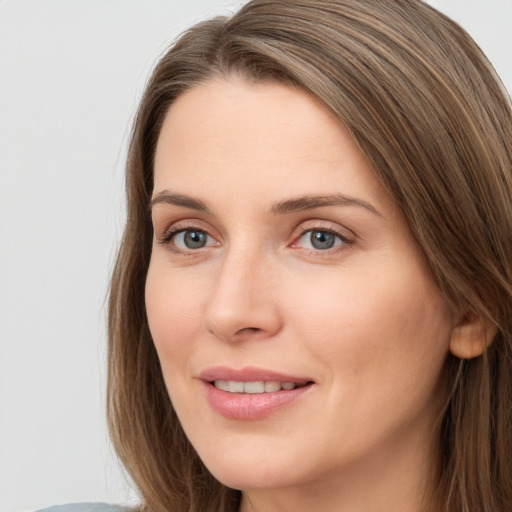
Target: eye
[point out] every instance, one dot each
(191, 239)
(321, 240)
(188, 239)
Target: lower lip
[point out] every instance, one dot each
(251, 406)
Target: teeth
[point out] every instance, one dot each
(235, 387)
(271, 386)
(254, 387)
(222, 384)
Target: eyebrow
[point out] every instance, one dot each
(310, 202)
(279, 208)
(178, 200)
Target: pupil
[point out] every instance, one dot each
(195, 239)
(322, 240)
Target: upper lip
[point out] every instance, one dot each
(249, 374)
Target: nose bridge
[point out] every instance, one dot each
(242, 301)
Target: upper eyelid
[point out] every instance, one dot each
(324, 225)
(175, 228)
(183, 225)
(304, 229)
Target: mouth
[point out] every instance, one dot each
(251, 393)
(256, 387)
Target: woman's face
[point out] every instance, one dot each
(300, 334)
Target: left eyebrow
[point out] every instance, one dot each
(309, 202)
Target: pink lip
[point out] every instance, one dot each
(249, 374)
(241, 406)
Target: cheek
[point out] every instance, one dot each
(174, 314)
(382, 343)
(381, 327)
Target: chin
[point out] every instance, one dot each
(247, 474)
(264, 480)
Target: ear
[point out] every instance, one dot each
(471, 336)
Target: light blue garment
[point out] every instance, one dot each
(86, 507)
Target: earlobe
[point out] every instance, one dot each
(471, 336)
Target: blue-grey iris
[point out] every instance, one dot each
(322, 240)
(194, 239)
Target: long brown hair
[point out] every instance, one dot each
(427, 109)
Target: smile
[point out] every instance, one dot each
(252, 393)
(253, 387)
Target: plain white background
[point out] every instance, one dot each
(71, 73)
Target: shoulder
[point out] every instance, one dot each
(87, 507)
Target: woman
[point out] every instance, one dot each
(311, 307)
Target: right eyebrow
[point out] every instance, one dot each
(178, 200)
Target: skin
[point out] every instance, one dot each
(363, 320)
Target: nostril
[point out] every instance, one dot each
(247, 330)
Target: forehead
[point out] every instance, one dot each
(250, 113)
(229, 135)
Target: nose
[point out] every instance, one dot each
(244, 303)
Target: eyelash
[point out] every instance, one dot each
(345, 241)
(177, 229)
